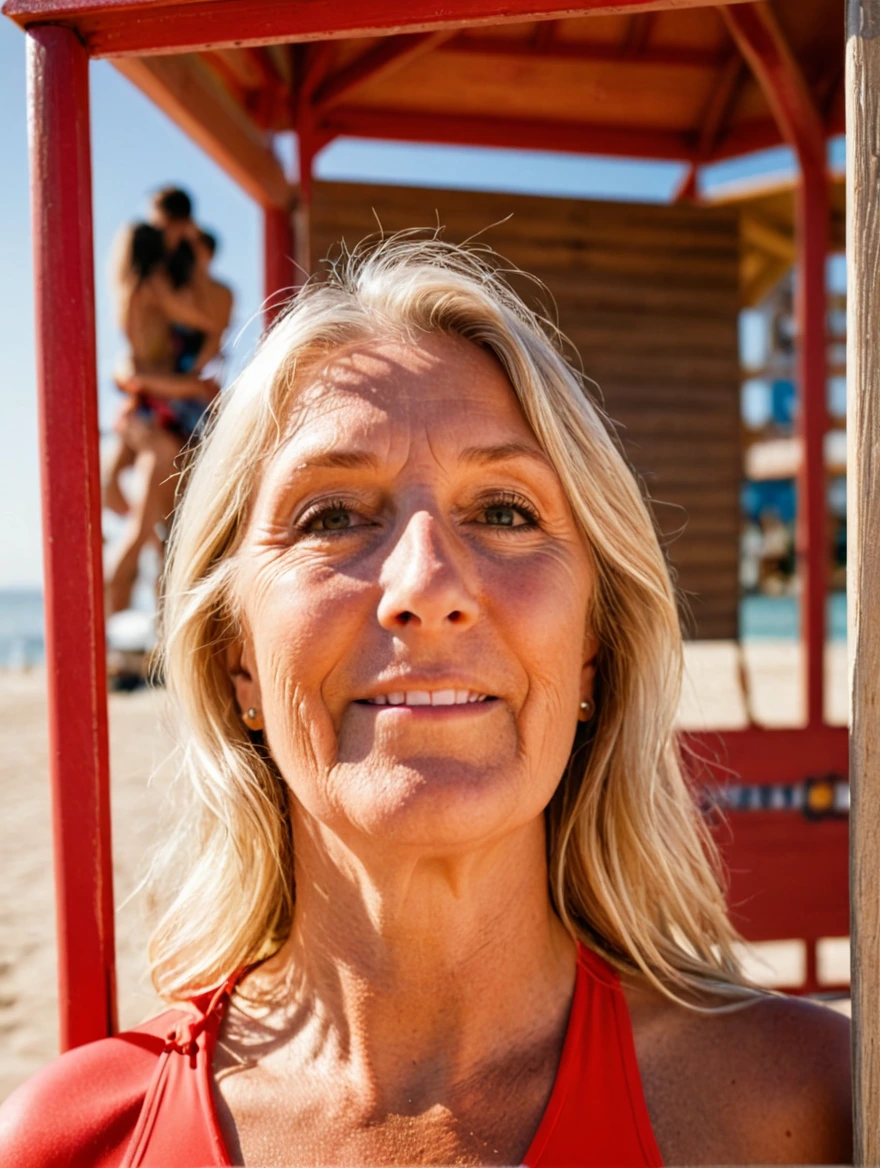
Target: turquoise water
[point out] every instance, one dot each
(765, 618)
(21, 628)
(761, 618)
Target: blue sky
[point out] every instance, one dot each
(136, 148)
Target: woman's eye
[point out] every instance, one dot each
(503, 514)
(502, 517)
(335, 518)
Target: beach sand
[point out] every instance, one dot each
(141, 776)
(142, 771)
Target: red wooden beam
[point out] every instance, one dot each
(385, 58)
(758, 756)
(513, 133)
(715, 113)
(229, 76)
(263, 66)
(720, 104)
(315, 61)
(668, 56)
(279, 247)
(746, 137)
(638, 34)
(61, 207)
(114, 28)
(191, 96)
(761, 41)
(545, 35)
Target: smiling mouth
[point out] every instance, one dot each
(423, 697)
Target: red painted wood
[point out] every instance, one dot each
(279, 277)
(745, 138)
(187, 91)
(760, 39)
(665, 56)
(788, 876)
(768, 756)
(138, 27)
(514, 133)
(61, 204)
(812, 235)
(389, 55)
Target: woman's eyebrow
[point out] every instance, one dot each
(334, 459)
(474, 455)
(504, 452)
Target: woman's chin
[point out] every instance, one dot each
(431, 802)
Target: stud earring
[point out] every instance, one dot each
(251, 718)
(587, 709)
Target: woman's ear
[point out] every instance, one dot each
(242, 671)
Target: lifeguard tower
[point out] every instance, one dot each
(652, 79)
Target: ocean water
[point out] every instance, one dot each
(761, 618)
(777, 618)
(21, 628)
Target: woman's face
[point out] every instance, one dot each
(415, 591)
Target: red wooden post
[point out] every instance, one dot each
(278, 261)
(61, 206)
(812, 533)
(757, 33)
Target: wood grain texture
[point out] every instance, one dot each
(192, 96)
(113, 28)
(863, 555)
(648, 296)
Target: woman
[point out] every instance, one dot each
(149, 302)
(444, 896)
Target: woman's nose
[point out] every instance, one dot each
(424, 580)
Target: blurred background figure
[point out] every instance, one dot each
(173, 314)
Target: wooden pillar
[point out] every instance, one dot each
(812, 208)
(863, 555)
(757, 33)
(61, 206)
(279, 249)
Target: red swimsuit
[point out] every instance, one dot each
(144, 1099)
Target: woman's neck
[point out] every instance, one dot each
(437, 963)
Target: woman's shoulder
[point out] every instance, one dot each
(82, 1107)
(766, 1082)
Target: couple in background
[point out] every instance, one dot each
(173, 314)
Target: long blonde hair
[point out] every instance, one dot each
(633, 870)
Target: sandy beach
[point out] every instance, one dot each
(142, 771)
(141, 776)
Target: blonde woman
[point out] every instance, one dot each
(443, 896)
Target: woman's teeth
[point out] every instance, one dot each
(423, 697)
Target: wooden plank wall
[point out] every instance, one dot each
(649, 296)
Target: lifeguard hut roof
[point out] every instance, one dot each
(641, 82)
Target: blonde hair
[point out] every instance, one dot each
(633, 871)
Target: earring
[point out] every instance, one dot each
(587, 709)
(251, 718)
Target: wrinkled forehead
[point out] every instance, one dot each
(438, 383)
